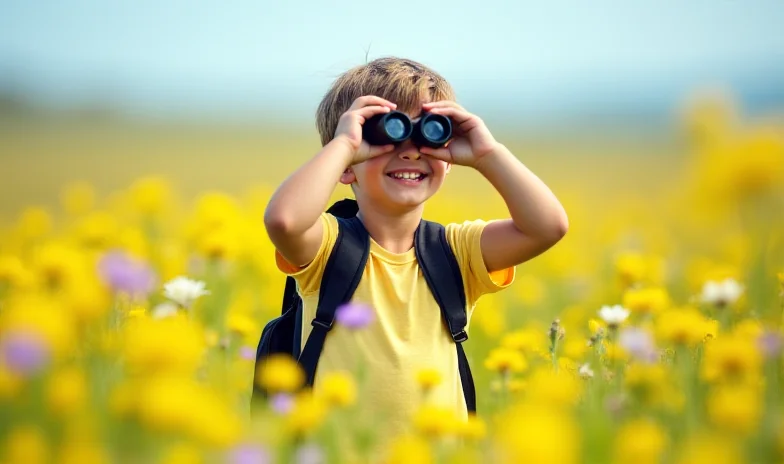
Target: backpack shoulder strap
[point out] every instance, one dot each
(341, 277)
(442, 274)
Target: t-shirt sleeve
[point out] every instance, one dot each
(308, 277)
(465, 240)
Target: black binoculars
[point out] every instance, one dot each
(431, 130)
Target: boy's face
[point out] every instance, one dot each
(400, 180)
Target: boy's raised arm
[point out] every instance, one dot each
(292, 215)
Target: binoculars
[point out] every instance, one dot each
(431, 130)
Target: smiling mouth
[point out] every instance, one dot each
(409, 176)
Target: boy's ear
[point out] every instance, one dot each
(348, 177)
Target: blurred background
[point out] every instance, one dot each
(224, 97)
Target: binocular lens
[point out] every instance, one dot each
(434, 130)
(395, 128)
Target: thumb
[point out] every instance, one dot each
(442, 154)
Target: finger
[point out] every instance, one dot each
(458, 115)
(370, 100)
(370, 111)
(442, 154)
(376, 150)
(442, 104)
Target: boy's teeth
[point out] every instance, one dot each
(406, 175)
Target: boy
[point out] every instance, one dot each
(391, 185)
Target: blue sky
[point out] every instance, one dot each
(543, 59)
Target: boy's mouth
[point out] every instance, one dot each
(407, 175)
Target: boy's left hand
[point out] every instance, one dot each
(471, 139)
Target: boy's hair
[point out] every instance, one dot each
(401, 81)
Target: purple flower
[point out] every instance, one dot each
(355, 315)
(249, 453)
(125, 274)
(638, 343)
(282, 403)
(770, 343)
(309, 454)
(24, 352)
(248, 353)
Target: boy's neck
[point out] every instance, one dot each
(393, 232)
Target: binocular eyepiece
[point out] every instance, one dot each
(431, 130)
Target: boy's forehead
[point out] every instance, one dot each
(416, 111)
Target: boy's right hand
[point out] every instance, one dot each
(350, 124)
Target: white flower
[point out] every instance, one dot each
(164, 309)
(721, 293)
(613, 315)
(184, 291)
(585, 371)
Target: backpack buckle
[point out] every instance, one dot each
(460, 337)
(323, 325)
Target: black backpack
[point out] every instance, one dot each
(341, 277)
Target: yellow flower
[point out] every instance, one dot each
(172, 344)
(596, 325)
(67, 391)
(222, 242)
(737, 409)
(10, 383)
(731, 358)
(182, 453)
(37, 314)
(633, 268)
(505, 360)
(79, 451)
(150, 195)
(99, 229)
(533, 432)
(242, 324)
(646, 300)
(575, 348)
(473, 428)
(338, 388)
(26, 444)
(13, 273)
(683, 326)
(428, 378)
(35, 222)
(58, 265)
(710, 449)
(280, 373)
(614, 352)
(529, 340)
(307, 414)
(749, 329)
(640, 441)
(88, 301)
(555, 389)
(435, 421)
(649, 383)
(409, 449)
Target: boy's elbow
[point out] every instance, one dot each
(559, 229)
(277, 222)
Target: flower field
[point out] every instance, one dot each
(129, 317)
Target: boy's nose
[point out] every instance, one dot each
(410, 153)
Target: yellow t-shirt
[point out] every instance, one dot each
(408, 332)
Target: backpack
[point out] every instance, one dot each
(342, 274)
